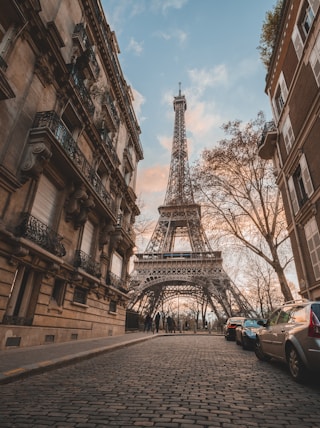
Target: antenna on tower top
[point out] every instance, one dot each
(179, 89)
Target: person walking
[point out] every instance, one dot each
(147, 323)
(157, 321)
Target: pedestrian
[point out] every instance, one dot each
(147, 323)
(170, 324)
(157, 321)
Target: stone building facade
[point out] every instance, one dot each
(69, 150)
(292, 139)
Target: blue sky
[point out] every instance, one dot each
(210, 46)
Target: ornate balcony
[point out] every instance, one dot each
(126, 227)
(87, 263)
(88, 58)
(268, 141)
(109, 146)
(51, 121)
(33, 229)
(116, 282)
(83, 91)
(112, 117)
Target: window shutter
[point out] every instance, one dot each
(283, 86)
(293, 196)
(87, 237)
(288, 134)
(306, 176)
(116, 264)
(45, 201)
(315, 60)
(313, 240)
(297, 42)
(275, 110)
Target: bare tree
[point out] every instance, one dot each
(143, 226)
(238, 188)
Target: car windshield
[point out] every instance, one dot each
(251, 323)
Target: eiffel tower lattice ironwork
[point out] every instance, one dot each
(179, 260)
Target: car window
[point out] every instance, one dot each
(285, 315)
(316, 310)
(298, 314)
(273, 317)
(251, 323)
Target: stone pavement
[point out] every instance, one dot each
(22, 362)
(170, 381)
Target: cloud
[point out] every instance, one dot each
(165, 142)
(176, 34)
(204, 78)
(165, 5)
(153, 180)
(135, 47)
(138, 101)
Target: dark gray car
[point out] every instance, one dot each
(292, 334)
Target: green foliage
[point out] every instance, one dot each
(269, 33)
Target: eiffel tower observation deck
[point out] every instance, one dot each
(179, 260)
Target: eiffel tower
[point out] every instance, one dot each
(179, 260)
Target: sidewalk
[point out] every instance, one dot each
(22, 362)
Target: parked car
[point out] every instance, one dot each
(292, 335)
(230, 327)
(246, 332)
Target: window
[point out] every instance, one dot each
(80, 295)
(288, 134)
(299, 314)
(45, 201)
(300, 185)
(307, 20)
(284, 315)
(113, 306)
(58, 291)
(273, 318)
(116, 264)
(315, 60)
(302, 29)
(301, 191)
(87, 238)
(280, 97)
(297, 42)
(313, 241)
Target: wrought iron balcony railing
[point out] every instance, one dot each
(126, 227)
(109, 146)
(83, 91)
(50, 120)
(116, 282)
(81, 34)
(87, 263)
(108, 101)
(33, 229)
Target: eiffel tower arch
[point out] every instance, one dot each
(179, 260)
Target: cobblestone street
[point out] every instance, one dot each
(172, 381)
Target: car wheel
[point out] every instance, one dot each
(296, 366)
(259, 353)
